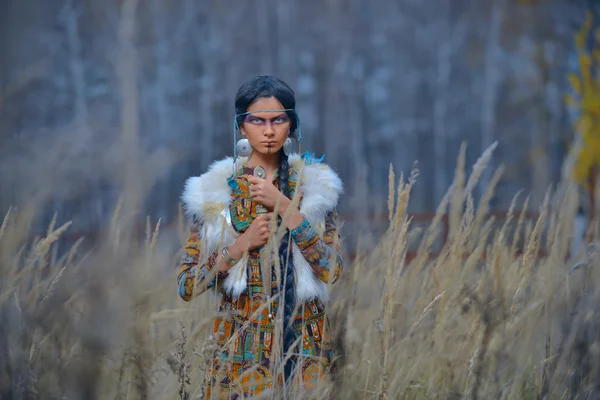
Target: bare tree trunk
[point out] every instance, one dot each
(205, 40)
(127, 72)
(286, 60)
(207, 90)
(237, 68)
(77, 72)
(160, 54)
(323, 78)
(356, 92)
(76, 65)
(490, 88)
(440, 103)
(335, 43)
(160, 197)
(189, 13)
(262, 21)
(541, 135)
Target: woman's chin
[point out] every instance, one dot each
(267, 150)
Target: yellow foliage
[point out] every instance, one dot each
(575, 83)
(585, 85)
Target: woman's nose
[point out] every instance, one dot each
(269, 130)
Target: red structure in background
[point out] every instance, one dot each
(420, 219)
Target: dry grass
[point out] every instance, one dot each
(478, 320)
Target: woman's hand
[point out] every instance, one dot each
(255, 236)
(267, 194)
(264, 192)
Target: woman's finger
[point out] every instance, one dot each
(268, 216)
(254, 181)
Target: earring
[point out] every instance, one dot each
(243, 147)
(287, 147)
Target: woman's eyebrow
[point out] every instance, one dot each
(275, 117)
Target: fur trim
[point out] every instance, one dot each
(207, 198)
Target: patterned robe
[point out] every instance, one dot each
(246, 333)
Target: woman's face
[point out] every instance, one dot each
(266, 131)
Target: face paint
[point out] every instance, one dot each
(275, 123)
(279, 120)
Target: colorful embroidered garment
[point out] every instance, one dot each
(246, 333)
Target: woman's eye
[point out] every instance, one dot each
(255, 121)
(280, 120)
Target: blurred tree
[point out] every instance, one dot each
(376, 82)
(585, 99)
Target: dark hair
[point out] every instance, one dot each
(264, 87)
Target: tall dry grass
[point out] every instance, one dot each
(478, 320)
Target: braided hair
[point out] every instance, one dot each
(287, 284)
(266, 86)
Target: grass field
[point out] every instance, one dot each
(485, 318)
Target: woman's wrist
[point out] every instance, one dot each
(284, 204)
(292, 219)
(303, 232)
(235, 250)
(229, 259)
(229, 256)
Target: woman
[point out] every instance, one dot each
(228, 250)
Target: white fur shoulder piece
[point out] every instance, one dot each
(207, 198)
(200, 192)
